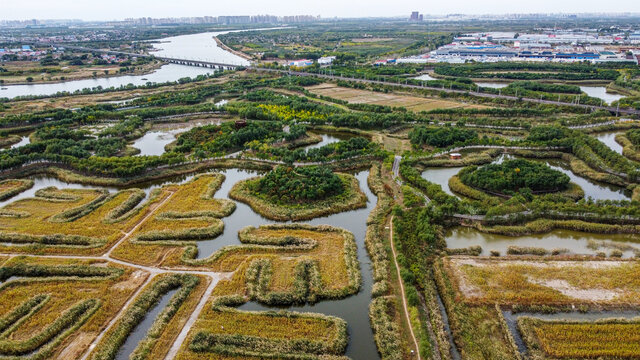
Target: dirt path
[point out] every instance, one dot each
(173, 351)
(404, 298)
(126, 235)
(115, 319)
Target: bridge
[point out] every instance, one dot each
(188, 62)
(380, 81)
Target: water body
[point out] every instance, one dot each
(200, 46)
(353, 309)
(141, 330)
(425, 77)
(600, 92)
(329, 138)
(441, 177)
(609, 139)
(169, 72)
(153, 142)
(24, 141)
(576, 242)
(493, 85)
(595, 190)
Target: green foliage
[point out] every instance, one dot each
(442, 136)
(302, 184)
(513, 175)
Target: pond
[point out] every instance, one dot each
(354, 309)
(600, 92)
(23, 141)
(576, 242)
(595, 190)
(425, 77)
(441, 177)
(493, 85)
(329, 138)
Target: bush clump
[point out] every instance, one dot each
(299, 185)
(513, 176)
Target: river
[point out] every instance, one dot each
(200, 46)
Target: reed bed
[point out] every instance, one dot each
(44, 304)
(548, 281)
(117, 335)
(12, 187)
(602, 339)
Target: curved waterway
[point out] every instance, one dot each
(353, 309)
(169, 72)
(200, 46)
(595, 190)
(609, 139)
(600, 92)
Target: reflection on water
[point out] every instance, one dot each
(425, 77)
(609, 139)
(600, 92)
(441, 177)
(141, 330)
(493, 85)
(153, 142)
(576, 242)
(170, 72)
(354, 309)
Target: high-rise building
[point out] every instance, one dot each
(416, 16)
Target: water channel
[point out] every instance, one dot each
(353, 309)
(609, 139)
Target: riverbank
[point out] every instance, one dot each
(234, 52)
(84, 74)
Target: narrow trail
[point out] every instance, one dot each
(173, 351)
(138, 224)
(115, 319)
(404, 298)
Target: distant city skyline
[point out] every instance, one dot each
(92, 10)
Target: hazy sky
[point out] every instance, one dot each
(120, 9)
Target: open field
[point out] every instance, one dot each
(409, 102)
(55, 308)
(544, 282)
(604, 339)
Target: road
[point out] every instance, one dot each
(611, 109)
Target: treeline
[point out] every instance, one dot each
(299, 185)
(442, 136)
(528, 71)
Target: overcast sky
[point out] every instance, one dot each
(120, 9)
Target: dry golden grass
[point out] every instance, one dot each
(65, 293)
(410, 102)
(256, 324)
(550, 282)
(604, 339)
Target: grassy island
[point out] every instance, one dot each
(513, 176)
(300, 193)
